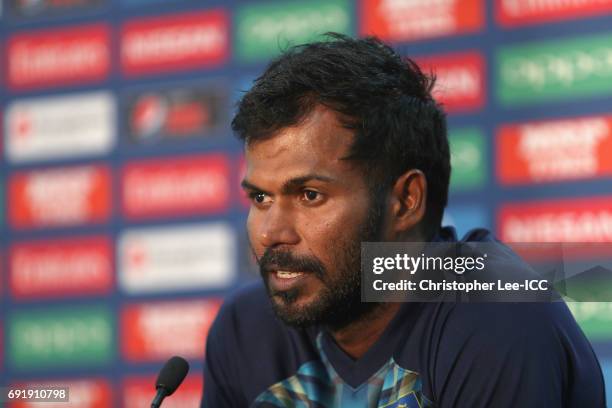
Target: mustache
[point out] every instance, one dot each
(273, 260)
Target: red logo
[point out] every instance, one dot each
(76, 266)
(194, 185)
(148, 114)
(59, 197)
(82, 393)
(460, 83)
(559, 150)
(405, 20)
(140, 391)
(151, 331)
(176, 42)
(179, 112)
(58, 57)
(574, 220)
(181, 118)
(512, 13)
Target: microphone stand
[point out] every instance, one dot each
(159, 397)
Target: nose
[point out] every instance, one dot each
(277, 227)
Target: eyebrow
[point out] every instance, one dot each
(290, 185)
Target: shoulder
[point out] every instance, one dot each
(511, 339)
(506, 321)
(494, 331)
(496, 321)
(489, 329)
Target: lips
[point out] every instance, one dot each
(284, 272)
(281, 280)
(288, 274)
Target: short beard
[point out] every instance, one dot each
(339, 301)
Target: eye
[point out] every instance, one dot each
(258, 197)
(311, 195)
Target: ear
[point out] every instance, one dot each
(408, 201)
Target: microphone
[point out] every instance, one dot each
(170, 377)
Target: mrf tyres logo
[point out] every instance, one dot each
(567, 149)
(60, 197)
(150, 330)
(575, 67)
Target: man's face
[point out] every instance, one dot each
(310, 210)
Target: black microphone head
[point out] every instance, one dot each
(172, 374)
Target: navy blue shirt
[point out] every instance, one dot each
(430, 355)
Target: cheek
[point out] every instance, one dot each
(327, 234)
(252, 225)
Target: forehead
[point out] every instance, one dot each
(319, 144)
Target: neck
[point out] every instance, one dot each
(357, 337)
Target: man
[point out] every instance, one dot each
(344, 144)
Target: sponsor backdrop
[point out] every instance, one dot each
(122, 224)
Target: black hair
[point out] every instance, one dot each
(385, 99)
